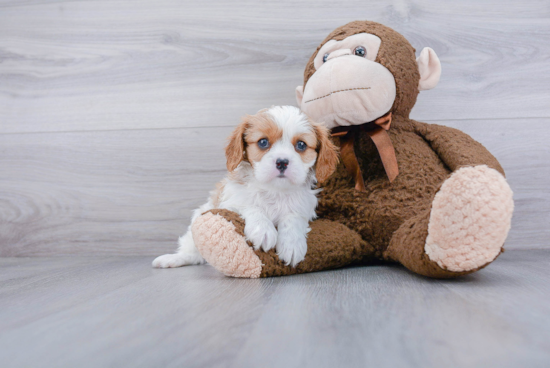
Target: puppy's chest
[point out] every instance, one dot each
(280, 204)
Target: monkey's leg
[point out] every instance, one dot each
(219, 237)
(465, 229)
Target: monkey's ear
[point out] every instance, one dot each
(234, 152)
(299, 95)
(429, 67)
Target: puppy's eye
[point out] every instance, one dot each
(263, 143)
(325, 58)
(301, 146)
(360, 51)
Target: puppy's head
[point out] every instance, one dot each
(283, 146)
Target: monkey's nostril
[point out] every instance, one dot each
(281, 164)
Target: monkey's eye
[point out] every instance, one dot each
(263, 143)
(325, 58)
(301, 146)
(360, 51)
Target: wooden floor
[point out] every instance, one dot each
(119, 312)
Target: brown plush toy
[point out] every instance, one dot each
(424, 195)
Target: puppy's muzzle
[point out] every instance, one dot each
(282, 164)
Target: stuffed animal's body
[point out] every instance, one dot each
(429, 197)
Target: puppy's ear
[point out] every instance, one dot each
(328, 154)
(234, 151)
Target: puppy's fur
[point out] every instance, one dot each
(277, 201)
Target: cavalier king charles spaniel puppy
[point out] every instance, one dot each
(274, 159)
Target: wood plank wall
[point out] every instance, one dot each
(113, 114)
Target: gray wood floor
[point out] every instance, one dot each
(118, 312)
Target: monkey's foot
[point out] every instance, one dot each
(219, 237)
(470, 219)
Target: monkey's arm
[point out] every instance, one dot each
(455, 148)
(219, 237)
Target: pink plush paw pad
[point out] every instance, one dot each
(470, 219)
(225, 249)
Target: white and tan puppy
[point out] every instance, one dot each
(274, 159)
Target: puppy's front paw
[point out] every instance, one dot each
(261, 232)
(291, 247)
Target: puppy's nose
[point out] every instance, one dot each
(281, 163)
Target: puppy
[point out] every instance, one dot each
(274, 159)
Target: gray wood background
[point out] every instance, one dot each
(113, 114)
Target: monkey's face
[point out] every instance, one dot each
(350, 87)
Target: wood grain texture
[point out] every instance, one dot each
(113, 114)
(100, 65)
(132, 192)
(114, 192)
(118, 312)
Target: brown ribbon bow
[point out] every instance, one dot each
(377, 130)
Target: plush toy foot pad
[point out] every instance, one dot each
(470, 219)
(222, 243)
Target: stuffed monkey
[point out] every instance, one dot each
(426, 196)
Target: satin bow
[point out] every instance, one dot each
(377, 130)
